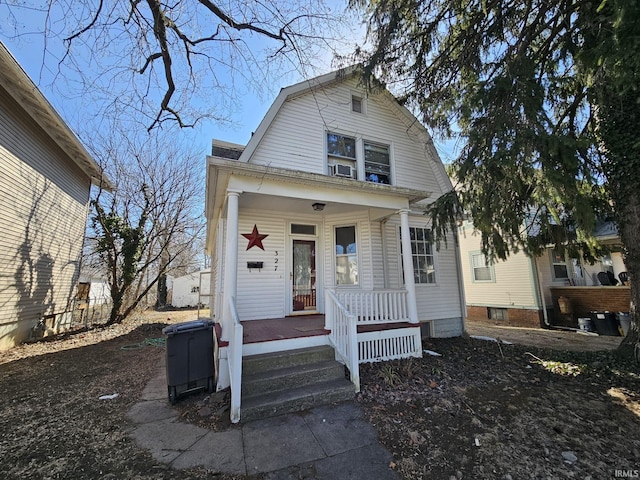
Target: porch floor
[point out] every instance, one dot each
(298, 326)
(256, 331)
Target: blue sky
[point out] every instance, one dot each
(29, 49)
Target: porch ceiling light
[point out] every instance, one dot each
(318, 207)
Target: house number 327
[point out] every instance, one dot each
(275, 261)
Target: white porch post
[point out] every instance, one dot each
(407, 266)
(230, 261)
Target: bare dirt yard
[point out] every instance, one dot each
(480, 410)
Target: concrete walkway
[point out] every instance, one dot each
(329, 442)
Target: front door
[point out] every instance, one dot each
(304, 275)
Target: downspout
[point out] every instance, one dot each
(538, 290)
(463, 299)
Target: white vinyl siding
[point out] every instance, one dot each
(513, 285)
(217, 270)
(437, 303)
(261, 293)
(43, 212)
(306, 119)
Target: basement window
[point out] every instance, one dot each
(500, 314)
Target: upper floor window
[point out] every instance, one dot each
(482, 271)
(341, 155)
(341, 146)
(356, 104)
(377, 168)
(345, 158)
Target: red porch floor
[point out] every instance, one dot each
(255, 331)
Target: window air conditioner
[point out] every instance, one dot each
(340, 170)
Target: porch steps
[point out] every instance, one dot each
(291, 381)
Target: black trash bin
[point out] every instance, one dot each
(189, 358)
(605, 323)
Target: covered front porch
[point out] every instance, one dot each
(370, 327)
(307, 260)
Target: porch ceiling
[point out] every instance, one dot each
(295, 206)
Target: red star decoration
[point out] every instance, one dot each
(255, 238)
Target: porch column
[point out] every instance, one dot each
(230, 261)
(407, 266)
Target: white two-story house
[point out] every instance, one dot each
(320, 217)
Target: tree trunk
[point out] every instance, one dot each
(161, 301)
(629, 212)
(618, 126)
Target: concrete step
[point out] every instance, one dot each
(295, 399)
(269, 361)
(291, 377)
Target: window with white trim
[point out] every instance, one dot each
(482, 271)
(341, 155)
(346, 256)
(559, 265)
(424, 270)
(565, 268)
(357, 104)
(377, 167)
(346, 155)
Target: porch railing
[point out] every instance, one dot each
(376, 306)
(235, 361)
(346, 310)
(344, 335)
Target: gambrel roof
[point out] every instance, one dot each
(409, 120)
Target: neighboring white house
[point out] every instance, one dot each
(323, 212)
(190, 290)
(45, 179)
(524, 291)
